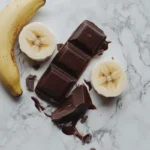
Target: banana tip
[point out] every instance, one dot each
(19, 94)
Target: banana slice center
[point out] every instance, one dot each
(108, 77)
(36, 41)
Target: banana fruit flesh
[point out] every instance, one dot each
(12, 19)
(37, 41)
(108, 78)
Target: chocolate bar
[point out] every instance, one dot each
(70, 62)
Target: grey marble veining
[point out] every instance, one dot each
(119, 124)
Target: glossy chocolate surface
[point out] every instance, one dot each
(55, 84)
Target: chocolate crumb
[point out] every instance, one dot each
(30, 82)
(83, 120)
(37, 104)
(92, 149)
(59, 46)
(88, 83)
(87, 139)
(36, 66)
(31, 77)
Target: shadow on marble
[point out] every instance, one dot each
(14, 99)
(108, 101)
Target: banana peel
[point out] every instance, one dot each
(12, 19)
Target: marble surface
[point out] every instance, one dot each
(120, 124)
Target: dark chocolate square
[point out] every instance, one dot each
(88, 37)
(55, 83)
(72, 60)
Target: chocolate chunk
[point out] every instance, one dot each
(87, 139)
(30, 82)
(70, 62)
(88, 38)
(92, 149)
(37, 104)
(55, 84)
(83, 120)
(59, 46)
(88, 83)
(31, 77)
(74, 107)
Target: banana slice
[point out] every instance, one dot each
(108, 78)
(37, 41)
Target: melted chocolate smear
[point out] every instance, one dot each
(37, 104)
(59, 46)
(30, 82)
(48, 115)
(88, 83)
(36, 66)
(87, 139)
(84, 119)
(92, 149)
(70, 129)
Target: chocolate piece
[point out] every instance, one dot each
(70, 62)
(30, 82)
(36, 66)
(74, 107)
(55, 84)
(92, 149)
(88, 83)
(59, 46)
(87, 139)
(37, 104)
(83, 120)
(88, 38)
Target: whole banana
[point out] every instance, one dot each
(12, 19)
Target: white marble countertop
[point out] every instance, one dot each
(122, 124)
